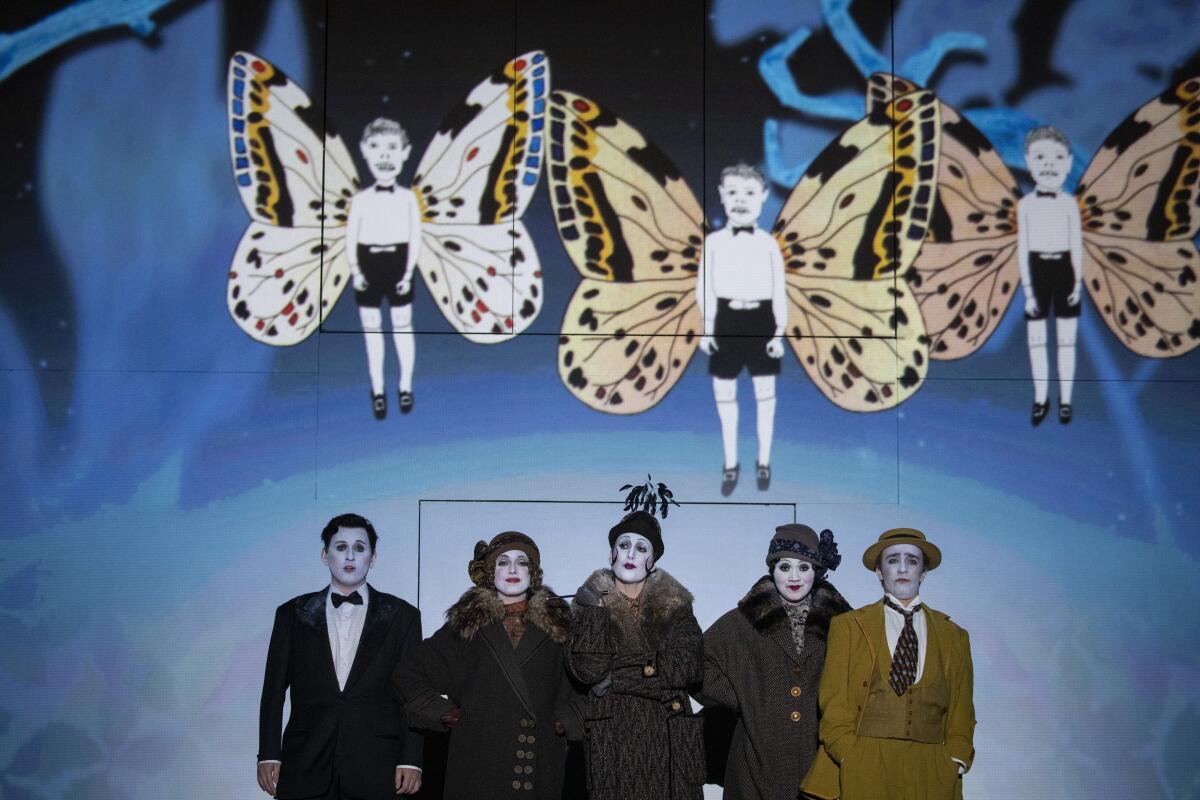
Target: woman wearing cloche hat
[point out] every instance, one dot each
(896, 696)
(763, 662)
(494, 677)
(637, 646)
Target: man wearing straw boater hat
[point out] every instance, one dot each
(897, 716)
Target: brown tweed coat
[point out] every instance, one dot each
(504, 744)
(751, 668)
(641, 740)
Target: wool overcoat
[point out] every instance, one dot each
(751, 668)
(641, 741)
(894, 768)
(504, 744)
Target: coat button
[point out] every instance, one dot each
(648, 670)
(676, 705)
(864, 683)
(520, 754)
(528, 785)
(528, 770)
(795, 691)
(516, 784)
(517, 769)
(524, 723)
(521, 738)
(531, 739)
(795, 716)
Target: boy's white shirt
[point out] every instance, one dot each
(746, 267)
(384, 218)
(1048, 225)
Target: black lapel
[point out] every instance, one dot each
(531, 640)
(379, 612)
(312, 614)
(495, 637)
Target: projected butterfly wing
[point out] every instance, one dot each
(1140, 208)
(473, 184)
(290, 266)
(850, 228)
(486, 279)
(635, 231)
(966, 273)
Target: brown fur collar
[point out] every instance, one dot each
(479, 607)
(763, 608)
(661, 600)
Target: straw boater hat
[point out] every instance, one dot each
(933, 556)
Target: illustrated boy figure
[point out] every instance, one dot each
(383, 239)
(744, 307)
(896, 697)
(1050, 257)
(335, 651)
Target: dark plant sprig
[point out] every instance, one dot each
(651, 497)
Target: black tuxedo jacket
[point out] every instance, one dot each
(361, 732)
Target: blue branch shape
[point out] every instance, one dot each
(87, 16)
(772, 66)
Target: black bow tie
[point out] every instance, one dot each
(354, 599)
(391, 188)
(743, 229)
(1047, 194)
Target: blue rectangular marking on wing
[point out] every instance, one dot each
(535, 144)
(239, 126)
(239, 145)
(539, 105)
(239, 87)
(237, 107)
(530, 179)
(243, 179)
(539, 87)
(532, 162)
(538, 122)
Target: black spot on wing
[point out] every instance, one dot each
(283, 208)
(654, 162)
(1125, 134)
(830, 160)
(459, 117)
(968, 135)
(620, 260)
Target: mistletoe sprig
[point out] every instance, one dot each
(650, 497)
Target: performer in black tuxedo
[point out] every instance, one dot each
(347, 737)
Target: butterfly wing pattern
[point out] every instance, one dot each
(290, 266)
(1140, 208)
(473, 184)
(849, 231)
(634, 231)
(966, 273)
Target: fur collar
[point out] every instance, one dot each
(479, 607)
(763, 608)
(661, 600)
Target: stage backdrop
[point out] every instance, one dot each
(185, 390)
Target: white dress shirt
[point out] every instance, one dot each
(345, 625)
(746, 267)
(384, 218)
(1048, 225)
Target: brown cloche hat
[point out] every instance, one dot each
(482, 568)
(800, 541)
(933, 556)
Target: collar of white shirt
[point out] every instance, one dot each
(915, 601)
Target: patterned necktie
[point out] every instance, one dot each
(904, 660)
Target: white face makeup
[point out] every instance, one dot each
(512, 576)
(794, 578)
(742, 199)
(349, 558)
(1049, 163)
(901, 570)
(632, 558)
(385, 154)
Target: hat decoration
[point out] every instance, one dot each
(826, 554)
(649, 497)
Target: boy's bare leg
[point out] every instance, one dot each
(1039, 363)
(764, 397)
(1065, 331)
(725, 392)
(372, 325)
(406, 346)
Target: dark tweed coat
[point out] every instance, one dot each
(751, 668)
(504, 744)
(641, 740)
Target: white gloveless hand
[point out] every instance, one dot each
(775, 347)
(708, 344)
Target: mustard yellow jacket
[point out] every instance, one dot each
(857, 646)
